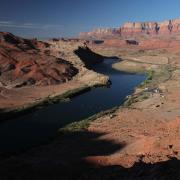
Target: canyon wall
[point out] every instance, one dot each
(101, 33)
(132, 29)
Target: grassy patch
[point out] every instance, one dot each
(132, 99)
(150, 75)
(136, 98)
(154, 78)
(12, 113)
(144, 96)
(129, 101)
(84, 124)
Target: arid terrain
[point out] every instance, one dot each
(32, 71)
(139, 140)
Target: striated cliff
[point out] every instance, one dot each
(131, 29)
(101, 33)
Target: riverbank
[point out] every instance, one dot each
(147, 125)
(146, 128)
(17, 101)
(82, 148)
(130, 141)
(20, 100)
(37, 127)
(154, 77)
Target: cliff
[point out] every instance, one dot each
(131, 29)
(101, 33)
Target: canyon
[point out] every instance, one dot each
(33, 71)
(137, 140)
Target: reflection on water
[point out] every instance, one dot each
(39, 126)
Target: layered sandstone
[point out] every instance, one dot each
(101, 33)
(132, 29)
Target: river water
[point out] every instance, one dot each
(37, 127)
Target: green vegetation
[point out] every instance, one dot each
(129, 101)
(136, 98)
(150, 75)
(8, 113)
(84, 124)
(145, 96)
(154, 77)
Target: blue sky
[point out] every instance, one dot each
(57, 18)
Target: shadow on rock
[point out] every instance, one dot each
(88, 57)
(65, 158)
(140, 171)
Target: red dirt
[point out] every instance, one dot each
(140, 142)
(24, 62)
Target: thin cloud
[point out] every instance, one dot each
(54, 26)
(5, 22)
(29, 25)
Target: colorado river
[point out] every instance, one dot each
(37, 127)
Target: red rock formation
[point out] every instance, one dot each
(100, 33)
(25, 62)
(132, 29)
(151, 28)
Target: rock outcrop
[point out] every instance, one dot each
(132, 29)
(27, 62)
(101, 33)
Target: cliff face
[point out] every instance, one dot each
(131, 29)
(101, 33)
(166, 27)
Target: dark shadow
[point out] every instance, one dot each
(62, 159)
(167, 170)
(132, 42)
(97, 62)
(91, 58)
(106, 67)
(88, 57)
(66, 159)
(98, 41)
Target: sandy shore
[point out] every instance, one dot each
(19, 99)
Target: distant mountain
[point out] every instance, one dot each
(132, 29)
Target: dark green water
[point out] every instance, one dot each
(37, 127)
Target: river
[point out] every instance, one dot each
(39, 126)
